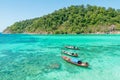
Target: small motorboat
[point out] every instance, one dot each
(78, 63)
(72, 47)
(70, 53)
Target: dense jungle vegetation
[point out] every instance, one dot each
(71, 20)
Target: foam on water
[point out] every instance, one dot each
(38, 57)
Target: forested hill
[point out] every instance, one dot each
(74, 19)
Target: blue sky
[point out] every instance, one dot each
(12, 11)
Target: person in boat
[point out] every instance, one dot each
(87, 63)
(74, 47)
(79, 62)
(74, 54)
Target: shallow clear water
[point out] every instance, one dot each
(38, 57)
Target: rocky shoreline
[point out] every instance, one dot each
(114, 32)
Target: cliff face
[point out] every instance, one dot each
(73, 20)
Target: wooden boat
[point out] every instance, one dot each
(72, 47)
(70, 53)
(85, 64)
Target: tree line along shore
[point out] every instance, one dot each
(71, 20)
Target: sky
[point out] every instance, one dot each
(12, 11)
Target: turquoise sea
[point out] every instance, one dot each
(38, 57)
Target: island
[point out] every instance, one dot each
(75, 19)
